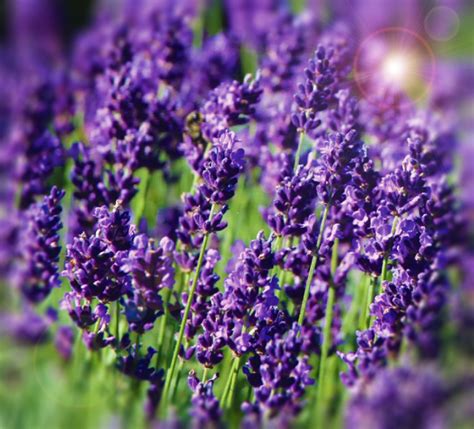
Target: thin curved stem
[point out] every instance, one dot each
(298, 152)
(228, 395)
(322, 385)
(369, 299)
(161, 334)
(233, 383)
(314, 262)
(174, 359)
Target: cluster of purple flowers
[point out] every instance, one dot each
(150, 106)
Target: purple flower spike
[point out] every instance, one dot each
(222, 169)
(39, 241)
(230, 104)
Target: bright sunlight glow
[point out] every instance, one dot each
(395, 69)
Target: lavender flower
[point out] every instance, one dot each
(293, 203)
(151, 270)
(230, 104)
(279, 377)
(399, 397)
(222, 169)
(313, 96)
(39, 256)
(205, 408)
(93, 263)
(284, 48)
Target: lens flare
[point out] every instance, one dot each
(394, 59)
(395, 68)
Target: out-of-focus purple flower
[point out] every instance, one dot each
(399, 397)
(251, 21)
(64, 341)
(28, 328)
(217, 62)
(284, 48)
(205, 408)
(167, 222)
(205, 289)
(40, 158)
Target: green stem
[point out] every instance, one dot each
(225, 393)
(117, 320)
(170, 373)
(324, 355)
(277, 248)
(161, 334)
(178, 379)
(322, 385)
(314, 262)
(298, 152)
(230, 398)
(369, 299)
(351, 319)
(144, 188)
(383, 275)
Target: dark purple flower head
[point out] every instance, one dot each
(279, 376)
(222, 169)
(42, 156)
(151, 268)
(230, 104)
(94, 264)
(88, 267)
(314, 94)
(339, 157)
(114, 227)
(293, 203)
(248, 289)
(139, 367)
(81, 314)
(39, 248)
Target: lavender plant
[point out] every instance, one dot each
(216, 192)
